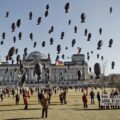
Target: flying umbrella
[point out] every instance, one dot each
(75, 29)
(88, 57)
(87, 53)
(18, 58)
(31, 36)
(39, 20)
(69, 22)
(85, 32)
(47, 6)
(57, 58)
(16, 52)
(6, 70)
(102, 58)
(79, 50)
(38, 70)
(35, 43)
(73, 42)
(97, 70)
(20, 35)
(89, 69)
(23, 79)
(3, 35)
(67, 5)
(13, 27)
(91, 52)
(98, 56)
(112, 65)
(1, 42)
(12, 62)
(100, 31)
(7, 58)
(63, 56)
(18, 23)
(11, 52)
(89, 36)
(46, 13)
(51, 41)
(7, 14)
(110, 42)
(43, 44)
(83, 18)
(58, 48)
(49, 58)
(100, 43)
(14, 39)
(52, 28)
(110, 10)
(30, 16)
(62, 35)
(66, 48)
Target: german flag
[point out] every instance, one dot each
(60, 63)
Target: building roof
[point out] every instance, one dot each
(36, 55)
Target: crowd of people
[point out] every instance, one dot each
(45, 95)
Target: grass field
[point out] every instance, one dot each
(73, 110)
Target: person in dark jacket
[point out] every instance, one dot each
(49, 96)
(40, 96)
(92, 94)
(64, 98)
(17, 99)
(61, 97)
(1, 96)
(98, 98)
(44, 103)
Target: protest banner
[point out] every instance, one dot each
(110, 101)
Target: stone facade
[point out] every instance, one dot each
(76, 70)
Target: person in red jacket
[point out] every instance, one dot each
(25, 98)
(84, 98)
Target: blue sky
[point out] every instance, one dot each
(97, 15)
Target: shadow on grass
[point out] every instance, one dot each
(55, 104)
(9, 105)
(23, 119)
(4, 105)
(78, 109)
(20, 109)
(75, 105)
(87, 109)
(29, 109)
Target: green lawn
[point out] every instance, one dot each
(72, 111)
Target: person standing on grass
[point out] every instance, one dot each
(61, 97)
(25, 98)
(64, 98)
(1, 96)
(98, 98)
(13, 92)
(40, 96)
(92, 94)
(44, 103)
(49, 96)
(17, 97)
(84, 99)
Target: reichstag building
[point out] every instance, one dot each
(59, 73)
